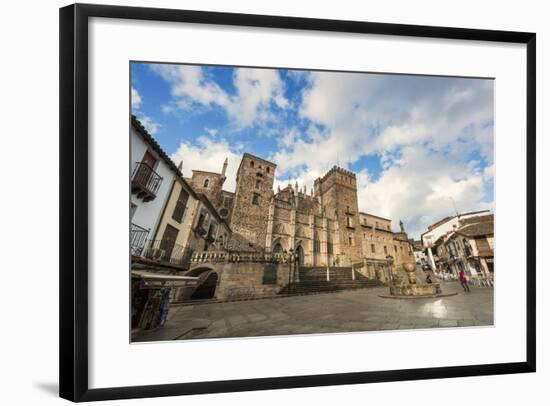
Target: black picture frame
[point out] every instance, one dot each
(73, 254)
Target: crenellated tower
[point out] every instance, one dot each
(337, 194)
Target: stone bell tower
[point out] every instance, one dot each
(253, 194)
(337, 192)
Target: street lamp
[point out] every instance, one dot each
(389, 259)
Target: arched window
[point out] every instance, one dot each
(277, 247)
(252, 164)
(206, 181)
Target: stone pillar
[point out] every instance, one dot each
(431, 259)
(292, 231)
(352, 273)
(269, 232)
(323, 236)
(311, 219)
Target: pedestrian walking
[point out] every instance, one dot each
(463, 281)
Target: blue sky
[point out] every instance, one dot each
(416, 143)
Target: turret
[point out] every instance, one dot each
(224, 169)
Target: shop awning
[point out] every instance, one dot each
(151, 280)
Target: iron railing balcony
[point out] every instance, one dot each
(167, 252)
(145, 182)
(138, 237)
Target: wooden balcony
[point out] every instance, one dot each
(145, 182)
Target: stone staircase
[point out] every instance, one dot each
(314, 280)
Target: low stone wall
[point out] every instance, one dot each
(251, 280)
(416, 290)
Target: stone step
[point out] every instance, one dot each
(326, 286)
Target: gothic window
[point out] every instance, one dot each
(206, 181)
(349, 221)
(252, 164)
(278, 247)
(267, 169)
(373, 248)
(316, 246)
(258, 184)
(330, 248)
(350, 239)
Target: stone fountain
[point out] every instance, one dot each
(405, 284)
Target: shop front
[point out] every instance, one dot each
(151, 297)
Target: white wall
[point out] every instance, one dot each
(444, 228)
(147, 214)
(29, 125)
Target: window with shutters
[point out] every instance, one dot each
(181, 204)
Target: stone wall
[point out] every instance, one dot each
(251, 280)
(213, 189)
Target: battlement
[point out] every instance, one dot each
(335, 170)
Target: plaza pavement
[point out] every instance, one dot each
(346, 311)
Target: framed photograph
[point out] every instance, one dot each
(257, 202)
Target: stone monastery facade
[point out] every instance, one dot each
(323, 226)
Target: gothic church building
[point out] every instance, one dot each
(323, 226)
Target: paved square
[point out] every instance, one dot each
(346, 311)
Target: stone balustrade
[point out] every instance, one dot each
(228, 257)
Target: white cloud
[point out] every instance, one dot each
(150, 125)
(424, 130)
(211, 131)
(422, 189)
(208, 155)
(256, 90)
(135, 98)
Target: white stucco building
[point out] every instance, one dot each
(443, 227)
(152, 175)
